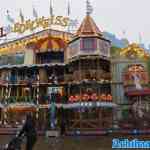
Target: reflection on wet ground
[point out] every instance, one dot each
(74, 142)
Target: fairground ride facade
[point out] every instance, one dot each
(58, 76)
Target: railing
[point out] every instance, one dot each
(89, 75)
(27, 82)
(3, 82)
(21, 99)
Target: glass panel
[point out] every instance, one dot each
(88, 44)
(12, 59)
(50, 57)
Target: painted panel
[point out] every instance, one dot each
(104, 47)
(73, 49)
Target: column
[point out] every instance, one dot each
(6, 97)
(29, 57)
(116, 117)
(38, 90)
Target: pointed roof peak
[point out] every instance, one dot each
(88, 28)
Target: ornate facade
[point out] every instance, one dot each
(57, 75)
(130, 86)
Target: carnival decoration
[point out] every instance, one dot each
(40, 22)
(92, 97)
(135, 75)
(21, 16)
(134, 51)
(85, 97)
(9, 17)
(17, 107)
(97, 104)
(35, 14)
(30, 25)
(57, 39)
(51, 8)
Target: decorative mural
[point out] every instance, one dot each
(135, 76)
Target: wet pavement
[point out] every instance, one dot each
(74, 142)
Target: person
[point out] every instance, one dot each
(63, 122)
(14, 144)
(29, 131)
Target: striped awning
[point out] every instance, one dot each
(48, 44)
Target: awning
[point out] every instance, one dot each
(142, 92)
(48, 44)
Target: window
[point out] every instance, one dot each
(50, 57)
(12, 59)
(88, 44)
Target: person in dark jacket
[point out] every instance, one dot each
(63, 122)
(29, 131)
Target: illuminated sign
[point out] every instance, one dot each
(34, 24)
(40, 22)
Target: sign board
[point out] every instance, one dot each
(30, 25)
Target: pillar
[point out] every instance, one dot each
(38, 90)
(29, 57)
(5, 116)
(117, 115)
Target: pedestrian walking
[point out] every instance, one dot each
(29, 131)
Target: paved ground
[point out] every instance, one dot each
(73, 143)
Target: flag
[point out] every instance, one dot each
(89, 7)
(35, 14)
(9, 18)
(68, 9)
(51, 8)
(21, 16)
